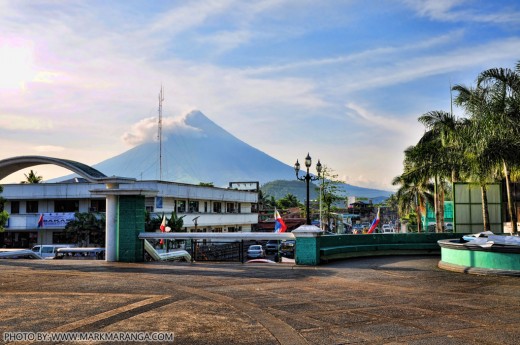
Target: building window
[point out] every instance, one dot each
(230, 207)
(205, 207)
(15, 207)
(231, 229)
(181, 206)
(98, 205)
(193, 206)
(31, 206)
(217, 207)
(66, 205)
(217, 230)
(60, 237)
(239, 208)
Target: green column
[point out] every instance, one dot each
(308, 239)
(131, 223)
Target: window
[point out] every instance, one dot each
(193, 206)
(205, 207)
(230, 207)
(31, 206)
(98, 206)
(66, 205)
(239, 208)
(60, 237)
(15, 207)
(181, 206)
(217, 230)
(231, 229)
(217, 207)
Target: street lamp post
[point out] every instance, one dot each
(307, 178)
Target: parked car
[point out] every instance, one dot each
(271, 246)
(387, 229)
(255, 251)
(48, 251)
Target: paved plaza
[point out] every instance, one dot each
(383, 300)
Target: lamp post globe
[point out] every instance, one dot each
(307, 178)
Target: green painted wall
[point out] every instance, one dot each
(481, 259)
(307, 251)
(131, 223)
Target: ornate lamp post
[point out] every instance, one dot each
(307, 178)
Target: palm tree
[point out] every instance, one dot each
(482, 140)
(414, 191)
(506, 83)
(32, 178)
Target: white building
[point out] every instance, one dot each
(205, 209)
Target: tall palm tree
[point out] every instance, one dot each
(439, 150)
(485, 147)
(414, 191)
(506, 83)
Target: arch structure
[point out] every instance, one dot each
(11, 165)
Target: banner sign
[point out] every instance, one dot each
(56, 220)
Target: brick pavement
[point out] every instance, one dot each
(383, 300)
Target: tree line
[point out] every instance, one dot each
(480, 147)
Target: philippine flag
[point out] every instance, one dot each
(279, 224)
(40, 221)
(163, 227)
(374, 223)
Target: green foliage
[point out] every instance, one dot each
(206, 184)
(151, 224)
(86, 227)
(32, 177)
(288, 201)
(175, 223)
(4, 216)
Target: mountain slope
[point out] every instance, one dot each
(198, 150)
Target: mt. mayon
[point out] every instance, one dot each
(195, 151)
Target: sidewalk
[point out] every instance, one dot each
(384, 300)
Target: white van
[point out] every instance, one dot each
(48, 251)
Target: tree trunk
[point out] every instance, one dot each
(485, 210)
(438, 216)
(510, 205)
(441, 206)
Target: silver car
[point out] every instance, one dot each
(255, 251)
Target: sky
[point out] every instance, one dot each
(343, 80)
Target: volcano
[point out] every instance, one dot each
(197, 151)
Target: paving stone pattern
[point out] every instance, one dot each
(383, 300)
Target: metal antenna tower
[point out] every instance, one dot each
(159, 134)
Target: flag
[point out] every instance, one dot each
(163, 224)
(163, 227)
(279, 224)
(40, 221)
(374, 223)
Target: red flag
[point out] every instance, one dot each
(163, 227)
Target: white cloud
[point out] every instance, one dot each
(24, 123)
(49, 148)
(147, 130)
(460, 11)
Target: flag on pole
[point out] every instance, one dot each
(40, 221)
(279, 224)
(163, 227)
(374, 223)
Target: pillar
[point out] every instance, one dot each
(111, 228)
(307, 245)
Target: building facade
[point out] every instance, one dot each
(40, 212)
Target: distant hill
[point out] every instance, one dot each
(280, 188)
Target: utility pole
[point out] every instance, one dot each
(159, 134)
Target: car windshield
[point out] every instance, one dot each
(255, 247)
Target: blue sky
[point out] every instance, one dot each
(343, 80)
